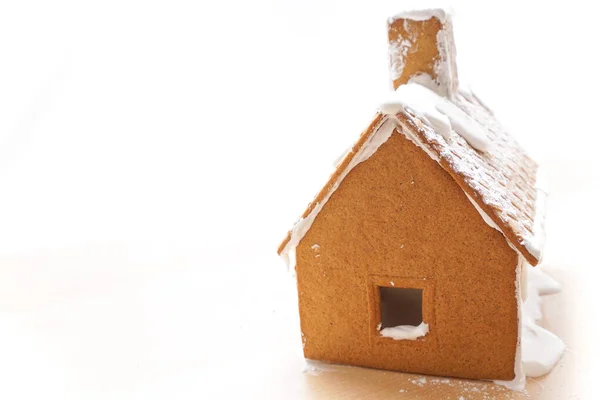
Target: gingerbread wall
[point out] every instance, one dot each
(399, 217)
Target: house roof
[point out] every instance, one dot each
(501, 182)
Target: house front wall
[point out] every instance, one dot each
(398, 219)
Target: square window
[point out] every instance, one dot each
(400, 307)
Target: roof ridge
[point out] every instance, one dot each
(503, 190)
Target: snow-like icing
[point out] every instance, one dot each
(397, 52)
(438, 112)
(445, 67)
(541, 348)
(406, 131)
(342, 155)
(425, 80)
(484, 215)
(535, 243)
(405, 332)
(503, 177)
(471, 96)
(378, 137)
(421, 15)
(478, 174)
(289, 257)
(519, 381)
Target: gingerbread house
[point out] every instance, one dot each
(413, 255)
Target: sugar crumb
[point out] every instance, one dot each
(419, 382)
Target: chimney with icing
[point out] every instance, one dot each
(421, 47)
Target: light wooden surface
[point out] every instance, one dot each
(149, 325)
(132, 320)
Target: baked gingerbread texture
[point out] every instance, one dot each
(410, 257)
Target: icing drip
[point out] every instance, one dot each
(535, 243)
(541, 348)
(471, 96)
(398, 52)
(519, 381)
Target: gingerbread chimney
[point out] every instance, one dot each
(421, 44)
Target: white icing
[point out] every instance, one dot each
(406, 332)
(519, 381)
(535, 243)
(445, 67)
(314, 367)
(541, 348)
(290, 259)
(407, 132)
(487, 219)
(426, 80)
(471, 96)
(378, 137)
(339, 159)
(436, 111)
(421, 15)
(397, 52)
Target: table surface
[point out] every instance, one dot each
(145, 320)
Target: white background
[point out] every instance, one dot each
(153, 154)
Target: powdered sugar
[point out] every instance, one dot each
(438, 112)
(470, 95)
(419, 381)
(502, 178)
